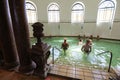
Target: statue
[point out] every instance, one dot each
(40, 51)
(38, 31)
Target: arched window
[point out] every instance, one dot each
(77, 13)
(106, 11)
(53, 12)
(31, 12)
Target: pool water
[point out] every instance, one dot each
(74, 55)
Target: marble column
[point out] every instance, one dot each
(7, 37)
(20, 26)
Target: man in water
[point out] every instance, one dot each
(65, 45)
(87, 47)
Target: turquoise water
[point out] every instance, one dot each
(74, 55)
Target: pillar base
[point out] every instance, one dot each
(43, 74)
(11, 66)
(27, 69)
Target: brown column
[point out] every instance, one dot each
(20, 25)
(7, 37)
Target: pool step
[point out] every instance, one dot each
(117, 71)
(81, 73)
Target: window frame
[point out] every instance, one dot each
(77, 13)
(53, 14)
(31, 13)
(106, 13)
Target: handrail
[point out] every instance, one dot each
(57, 48)
(103, 52)
(110, 58)
(53, 53)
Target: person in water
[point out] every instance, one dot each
(80, 42)
(87, 47)
(65, 45)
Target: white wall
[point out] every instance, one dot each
(65, 28)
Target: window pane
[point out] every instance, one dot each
(31, 12)
(106, 4)
(106, 12)
(53, 13)
(53, 7)
(77, 14)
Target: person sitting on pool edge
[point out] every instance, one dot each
(65, 45)
(87, 47)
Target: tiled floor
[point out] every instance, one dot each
(12, 75)
(82, 72)
(62, 72)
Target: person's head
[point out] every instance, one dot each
(80, 40)
(65, 39)
(89, 41)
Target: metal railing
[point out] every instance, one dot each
(111, 55)
(110, 58)
(53, 52)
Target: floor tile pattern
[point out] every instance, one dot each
(82, 72)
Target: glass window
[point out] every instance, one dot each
(31, 12)
(77, 14)
(106, 11)
(53, 13)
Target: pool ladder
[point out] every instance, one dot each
(110, 58)
(98, 54)
(54, 52)
(111, 78)
(111, 55)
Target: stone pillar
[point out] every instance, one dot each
(7, 37)
(20, 25)
(1, 55)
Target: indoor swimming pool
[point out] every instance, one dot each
(75, 57)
